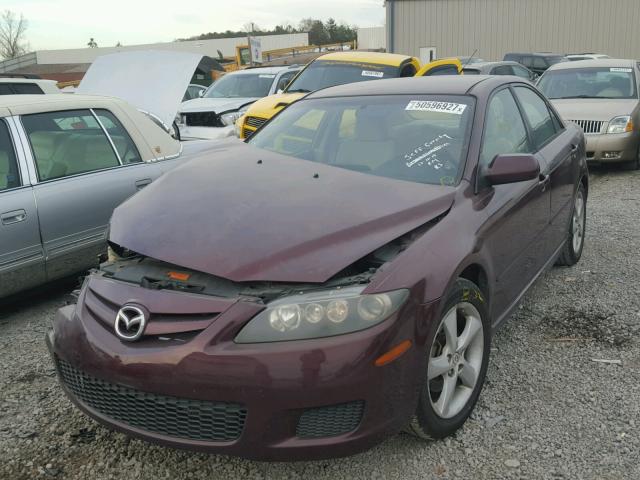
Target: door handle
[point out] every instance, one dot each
(140, 184)
(574, 149)
(13, 217)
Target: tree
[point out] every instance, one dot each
(12, 30)
(92, 43)
(332, 29)
(118, 44)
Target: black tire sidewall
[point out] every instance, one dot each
(435, 426)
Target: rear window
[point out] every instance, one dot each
(594, 82)
(418, 138)
(20, 89)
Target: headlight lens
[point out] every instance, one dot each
(620, 124)
(321, 314)
(230, 118)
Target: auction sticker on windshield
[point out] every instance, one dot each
(618, 69)
(266, 75)
(369, 73)
(432, 106)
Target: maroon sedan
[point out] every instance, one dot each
(333, 280)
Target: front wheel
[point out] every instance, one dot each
(572, 250)
(456, 363)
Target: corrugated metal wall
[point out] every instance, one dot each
(494, 27)
(371, 38)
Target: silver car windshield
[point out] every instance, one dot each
(594, 82)
(418, 138)
(244, 85)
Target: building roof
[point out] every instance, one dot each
(376, 58)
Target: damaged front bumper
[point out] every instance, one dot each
(187, 384)
(205, 133)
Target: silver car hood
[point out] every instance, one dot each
(150, 80)
(603, 109)
(218, 105)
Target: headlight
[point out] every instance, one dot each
(321, 314)
(620, 124)
(230, 118)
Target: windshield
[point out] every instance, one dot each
(593, 82)
(324, 73)
(419, 138)
(242, 85)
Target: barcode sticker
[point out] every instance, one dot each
(623, 70)
(369, 73)
(432, 106)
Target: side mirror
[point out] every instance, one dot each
(280, 90)
(512, 168)
(201, 93)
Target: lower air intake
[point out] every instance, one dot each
(330, 421)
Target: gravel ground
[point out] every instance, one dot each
(548, 410)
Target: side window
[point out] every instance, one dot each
(502, 70)
(442, 70)
(504, 130)
(521, 72)
(538, 116)
(284, 80)
(119, 136)
(68, 143)
(27, 89)
(9, 176)
(527, 61)
(5, 89)
(539, 62)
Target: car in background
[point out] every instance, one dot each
(586, 56)
(601, 96)
(66, 161)
(27, 86)
(536, 62)
(213, 115)
(314, 290)
(470, 60)
(193, 91)
(339, 68)
(499, 68)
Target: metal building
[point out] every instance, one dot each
(442, 28)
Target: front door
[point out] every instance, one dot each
(518, 213)
(21, 255)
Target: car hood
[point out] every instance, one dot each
(153, 81)
(217, 105)
(247, 214)
(593, 108)
(267, 107)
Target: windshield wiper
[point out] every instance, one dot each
(575, 96)
(298, 90)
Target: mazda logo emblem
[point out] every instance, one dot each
(130, 323)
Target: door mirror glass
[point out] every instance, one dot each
(512, 168)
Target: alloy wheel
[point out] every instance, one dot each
(455, 360)
(578, 222)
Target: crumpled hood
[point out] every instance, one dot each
(267, 107)
(218, 105)
(593, 109)
(228, 214)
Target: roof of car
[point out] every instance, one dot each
(442, 85)
(62, 101)
(538, 54)
(595, 63)
(257, 70)
(25, 80)
(490, 64)
(376, 58)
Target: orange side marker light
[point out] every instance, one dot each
(392, 354)
(183, 277)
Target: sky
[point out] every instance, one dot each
(54, 24)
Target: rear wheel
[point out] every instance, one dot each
(572, 250)
(456, 363)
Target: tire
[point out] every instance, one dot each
(435, 417)
(572, 250)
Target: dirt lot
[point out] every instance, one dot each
(548, 410)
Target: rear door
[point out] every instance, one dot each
(21, 254)
(82, 175)
(559, 148)
(447, 66)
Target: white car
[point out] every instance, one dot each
(27, 86)
(213, 116)
(574, 57)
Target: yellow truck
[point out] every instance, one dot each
(339, 68)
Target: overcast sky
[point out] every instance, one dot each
(70, 23)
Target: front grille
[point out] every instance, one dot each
(202, 119)
(171, 416)
(255, 122)
(589, 126)
(330, 421)
(246, 132)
